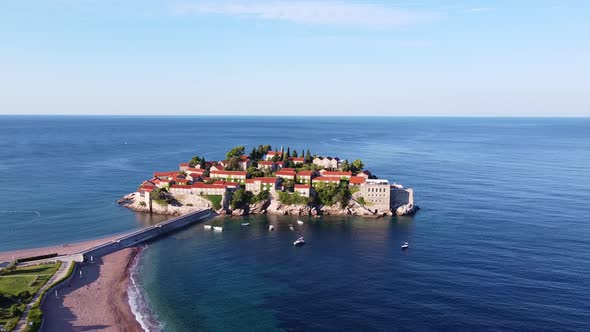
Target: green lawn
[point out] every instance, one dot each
(12, 286)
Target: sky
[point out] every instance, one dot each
(325, 57)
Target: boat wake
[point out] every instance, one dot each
(139, 306)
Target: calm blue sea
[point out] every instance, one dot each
(502, 241)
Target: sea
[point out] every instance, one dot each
(501, 242)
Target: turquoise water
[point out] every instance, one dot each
(501, 242)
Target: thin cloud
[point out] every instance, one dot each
(311, 12)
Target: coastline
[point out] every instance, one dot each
(98, 300)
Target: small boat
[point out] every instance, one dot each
(218, 228)
(207, 226)
(299, 242)
(291, 227)
(271, 228)
(405, 246)
(300, 222)
(245, 224)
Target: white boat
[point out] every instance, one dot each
(300, 222)
(271, 228)
(299, 242)
(405, 246)
(291, 227)
(245, 224)
(207, 226)
(218, 228)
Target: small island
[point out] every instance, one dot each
(281, 182)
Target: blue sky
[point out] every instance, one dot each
(409, 58)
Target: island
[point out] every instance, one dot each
(267, 181)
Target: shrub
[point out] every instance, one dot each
(142, 204)
(330, 194)
(261, 196)
(189, 204)
(293, 198)
(240, 198)
(361, 200)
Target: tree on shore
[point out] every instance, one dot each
(197, 161)
(308, 157)
(294, 153)
(236, 151)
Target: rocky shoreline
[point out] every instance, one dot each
(270, 206)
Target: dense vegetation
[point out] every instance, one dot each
(161, 197)
(330, 194)
(242, 198)
(293, 198)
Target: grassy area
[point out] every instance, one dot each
(17, 288)
(215, 200)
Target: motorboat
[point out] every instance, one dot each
(405, 246)
(218, 228)
(299, 222)
(299, 242)
(207, 226)
(271, 228)
(245, 224)
(291, 227)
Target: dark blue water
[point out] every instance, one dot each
(501, 243)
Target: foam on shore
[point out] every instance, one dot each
(137, 302)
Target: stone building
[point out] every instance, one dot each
(377, 193)
(235, 176)
(327, 162)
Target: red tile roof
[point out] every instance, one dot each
(272, 153)
(288, 169)
(170, 174)
(185, 164)
(285, 173)
(201, 185)
(180, 186)
(357, 180)
(302, 186)
(196, 170)
(220, 172)
(267, 180)
(329, 173)
(305, 173)
(298, 159)
(250, 180)
(326, 179)
(269, 163)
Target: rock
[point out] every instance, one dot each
(406, 210)
(238, 212)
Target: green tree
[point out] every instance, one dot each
(233, 164)
(308, 157)
(240, 199)
(253, 172)
(345, 166)
(357, 166)
(288, 152)
(197, 161)
(236, 151)
(294, 153)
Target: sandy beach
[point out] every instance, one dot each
(65, 249)
(97, 301)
